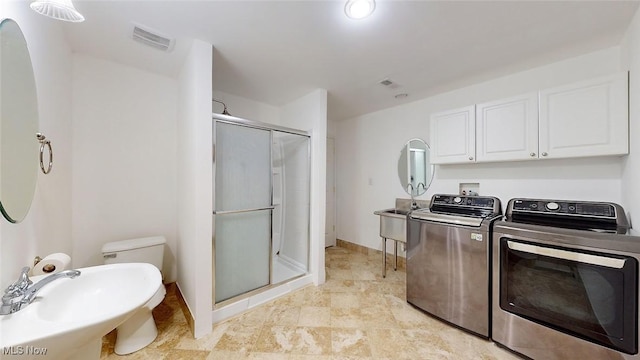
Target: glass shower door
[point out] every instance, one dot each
(243, 209)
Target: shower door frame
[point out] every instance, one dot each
(232, 120)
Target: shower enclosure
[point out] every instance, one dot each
(261, 200)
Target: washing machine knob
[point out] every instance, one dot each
(457, 199)
(553, 206)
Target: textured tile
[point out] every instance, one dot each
(389, 343)
(363, 274)
(178, 354)
(276, 339)
(316, 341)
(315, 296)
(346, 318)
(315, 316)
(334, 274)
(350, 342)
(297, 340)
(345, 300)
(238, 338)
(266, 356)
(225, 355)
(282, 315)
(379, 317)
(309, 357)
(207, 342)
(356, 315)
(144, 354)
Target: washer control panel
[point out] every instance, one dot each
(467, 201)
(471, 206)
(563, 207)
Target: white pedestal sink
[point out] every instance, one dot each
(69, 317)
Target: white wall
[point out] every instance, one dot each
(368, 147)
(124, 158)
(246, 108)
(47, 227)
(631, 172)
(195, 166)
(310, 113)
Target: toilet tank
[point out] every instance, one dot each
(147, 250)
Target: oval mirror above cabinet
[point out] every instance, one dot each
(18, 124)
(414, 169)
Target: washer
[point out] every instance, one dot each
(448, 259)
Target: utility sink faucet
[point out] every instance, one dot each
(414, 205)
(23, 291)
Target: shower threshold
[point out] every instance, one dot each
(226, 309)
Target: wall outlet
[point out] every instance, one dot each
(470, 189)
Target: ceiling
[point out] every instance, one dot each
(276, 51)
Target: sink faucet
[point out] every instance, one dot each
(414, 205)
(23, 291)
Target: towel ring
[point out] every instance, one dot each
(43, 141)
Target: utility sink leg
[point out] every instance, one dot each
(395, 255)
(384, 257)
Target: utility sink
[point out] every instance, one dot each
(391, 212)
(68, 317)
(393, 224)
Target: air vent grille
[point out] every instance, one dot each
(152, 39)
(389, 84)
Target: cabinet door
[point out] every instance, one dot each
(453, 136)
(588, 118)
(507, 129)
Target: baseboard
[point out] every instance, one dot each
(402, 262)
(185, 309)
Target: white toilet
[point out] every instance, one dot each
(139, 330)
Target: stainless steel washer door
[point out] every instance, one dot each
(448, 273)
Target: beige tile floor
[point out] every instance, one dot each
(355, 315)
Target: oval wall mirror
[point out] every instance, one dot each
(18, 124)
(414, 169)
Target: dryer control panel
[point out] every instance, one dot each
(580, 215)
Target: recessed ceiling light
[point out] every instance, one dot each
(359, 9)
(401, 96)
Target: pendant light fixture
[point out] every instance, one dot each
(359, 9)
(57, 9)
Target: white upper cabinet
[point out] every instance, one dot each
(507, 129)
(453, 136)
(588, 118)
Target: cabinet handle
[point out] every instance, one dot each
(544, 154)
(532, 154)
(470, 157)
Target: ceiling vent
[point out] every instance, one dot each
(389, 84)
(152, 38)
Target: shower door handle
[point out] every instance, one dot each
(224, 212)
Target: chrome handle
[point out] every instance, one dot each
(470, 157)
(21, 283)
(544, 154)
(532, 154)
(567, 255)
(224, 212)
(44, 142)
